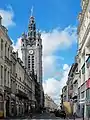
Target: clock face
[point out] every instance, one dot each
(31, 52)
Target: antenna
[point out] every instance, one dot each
(32, 11)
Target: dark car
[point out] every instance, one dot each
(60, 114)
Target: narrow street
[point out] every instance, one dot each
(45, 116)
(38, 116)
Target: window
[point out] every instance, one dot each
(33, 58)
(1, 102)
(32, 61)
(28, 65)
(8, 52)
(4, 76)
(82, 95)
(79, 74)
(8, 78)
(5, 48)
(23, 44)
(28, 62)
(1, 44)
(29, 57)
(1, 47)
(13, 68)
(77, 69)
(1, 75)
(83, 69)
(88, 93)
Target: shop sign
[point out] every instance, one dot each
(88, 83)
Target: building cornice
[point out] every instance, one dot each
(5, 33)
(82, 15)
(85, 35)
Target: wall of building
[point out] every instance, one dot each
(16, 85)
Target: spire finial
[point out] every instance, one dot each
(31, 11)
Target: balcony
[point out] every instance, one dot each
(76, 77)
(7, 60)
(21, 94)
(75, 92)
(7, 89)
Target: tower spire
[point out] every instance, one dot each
(32, 11)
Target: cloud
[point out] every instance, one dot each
(53, 87)
(17, 47)
(53, 41)
(7, 16)
(58, 39)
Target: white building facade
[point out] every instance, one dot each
(84, 58)
(50, 105)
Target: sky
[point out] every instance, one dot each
(57, 20)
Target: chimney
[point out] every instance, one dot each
(0, 20)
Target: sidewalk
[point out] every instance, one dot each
(80, 119)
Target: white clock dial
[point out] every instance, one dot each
(31, 52)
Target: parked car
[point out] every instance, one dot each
(60, 113)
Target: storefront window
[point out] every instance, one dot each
(1, 103)
(88, 111)
(88, 93)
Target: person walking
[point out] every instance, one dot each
(31, 112)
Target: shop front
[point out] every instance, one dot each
(22, 103)
(81, 108)
(88, 98)
(13, 105)
(1, 106)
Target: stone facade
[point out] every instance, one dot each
(17, 86)
(50, 105)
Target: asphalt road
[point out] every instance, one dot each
(46, 116)
(42, 116)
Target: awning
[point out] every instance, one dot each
(67, 107)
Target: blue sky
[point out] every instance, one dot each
(57, 19)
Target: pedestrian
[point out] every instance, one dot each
(74, 115)
(30, 114)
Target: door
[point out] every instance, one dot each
(7, 107)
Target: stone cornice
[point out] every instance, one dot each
(85, 35)
(82, 15)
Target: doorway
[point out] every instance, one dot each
(7, 107)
